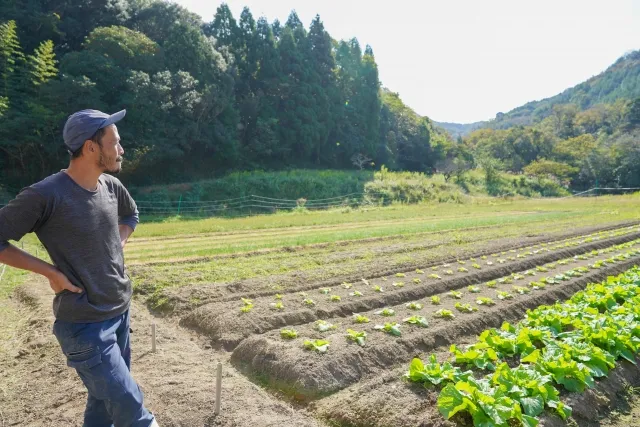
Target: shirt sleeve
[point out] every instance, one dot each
(24, 214)
(127, 209)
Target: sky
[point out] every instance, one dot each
(464, 61)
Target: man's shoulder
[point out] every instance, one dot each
(110, 178)
(110, 181)
(50, 185)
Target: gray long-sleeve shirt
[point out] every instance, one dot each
(79, 229)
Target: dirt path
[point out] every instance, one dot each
(37, 389)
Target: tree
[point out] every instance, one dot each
(548, 168)
(633, 115)
(157, 20)
(360, 160)
(223, 27)
(42, 64)
(129, 50)
(451, 166)
(11, 56)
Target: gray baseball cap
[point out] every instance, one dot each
(82, 125)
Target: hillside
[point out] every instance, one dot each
(620, 81)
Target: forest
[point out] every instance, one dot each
(203, 98)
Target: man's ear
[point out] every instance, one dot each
(88, 146)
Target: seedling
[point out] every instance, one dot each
(473, 289)
(444, 314)
(377, 288)
(537, 285)
(335, 298)
(347, 285)
(278, 296)
(325, 291)
(521, 290)
(323, 326)
(418, 271)
(390, 328)
(416, 320)
(356, 336)
(455, 294)
(356, 294)
(492, 284)
(477, 266)
(504, 295)
(277, 306)
(448, 272)
(401, 275)
(416, 280)
(435, 300)
(434, 276)
(386, 312)
(461, 262)
(288, 334)
(465, 308)
(462, 270)
(485, 301)
(414, 306)
(308, 301)
(246, 308)
(358, 318)
(247, 301)
(321, 346)
(398, 284)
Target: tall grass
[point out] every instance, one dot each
(382, 186)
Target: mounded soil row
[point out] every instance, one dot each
(307, 376)
(227, 326)
(186, 298)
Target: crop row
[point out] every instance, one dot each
(231, 322)
(564, 346)
(448, 305)
(339, 359)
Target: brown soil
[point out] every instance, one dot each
(226, 325)
(37, 389)
(287, 366)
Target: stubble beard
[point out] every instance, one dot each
(102, 164)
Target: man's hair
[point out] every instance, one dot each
(97, 138)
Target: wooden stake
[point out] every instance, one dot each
(153, 337)
(218, 389)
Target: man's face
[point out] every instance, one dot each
(110, 151)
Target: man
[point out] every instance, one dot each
(84, 218)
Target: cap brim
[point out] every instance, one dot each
(115, 117)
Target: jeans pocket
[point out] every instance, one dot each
(84, 364)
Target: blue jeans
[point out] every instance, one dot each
(101, 354)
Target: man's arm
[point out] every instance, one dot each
(127, 212)
(125, 232)
(24, 214)
(15, 257)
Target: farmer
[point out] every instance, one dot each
(84, 218)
